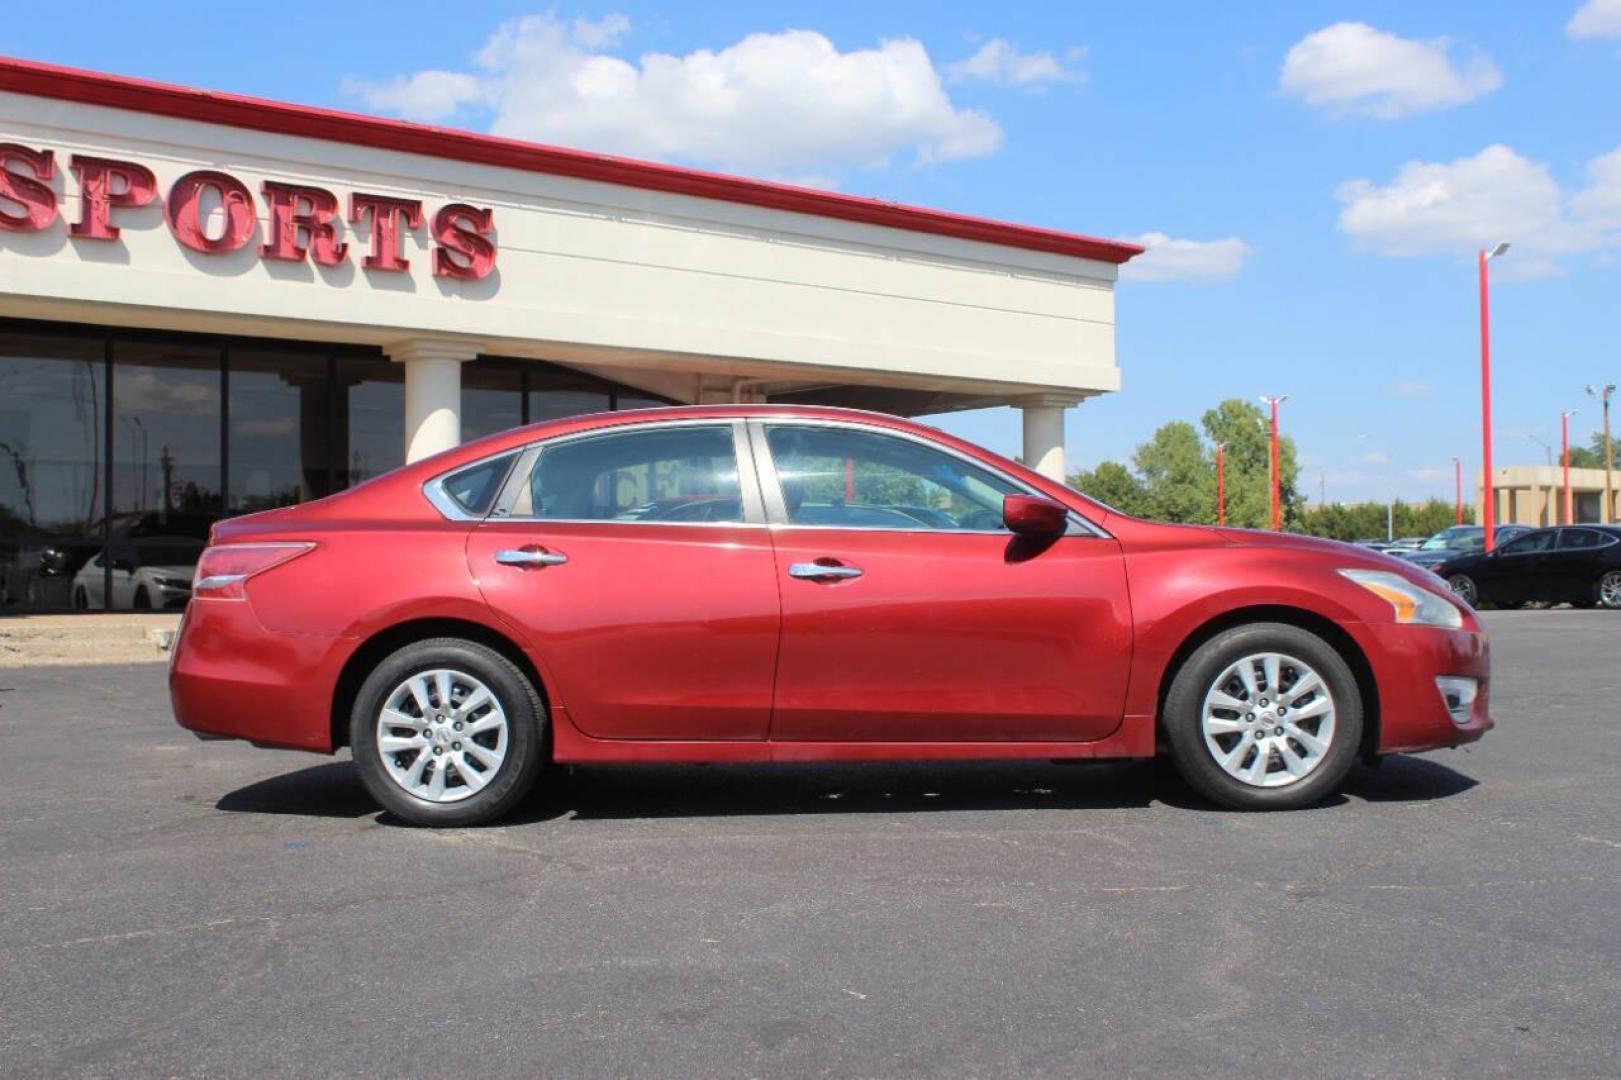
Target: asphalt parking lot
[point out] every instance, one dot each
(179, 908)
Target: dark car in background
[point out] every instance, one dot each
(1573, 564)
(1458, 540)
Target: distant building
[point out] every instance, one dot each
(1534, 495)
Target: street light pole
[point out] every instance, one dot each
(1564, 443)
(1489, 509)
(1607, 511)
(1221, 483)
(1457, 486)
(1277, 484)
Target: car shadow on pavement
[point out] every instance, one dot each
(691, 791)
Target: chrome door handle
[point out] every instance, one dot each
(530, 557)
(813, 571)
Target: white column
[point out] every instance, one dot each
(433, 392)
(1044, 432)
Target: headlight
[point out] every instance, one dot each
(1412, 603)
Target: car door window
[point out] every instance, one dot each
(682, 473)
(1583, 539)
(853, 479)
(1529, 544)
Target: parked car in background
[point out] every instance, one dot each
(1458, 540)
(1573, 564)
(857, 587)
(1406, 543)
(152, 557)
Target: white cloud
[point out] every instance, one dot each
(1471, 203)
(1000, 62)
(1596, 18)
(1352, 67)
(789, 103)
(1170, 259)
(1410, 388)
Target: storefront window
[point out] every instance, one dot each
(279, 422)
(371, 396)
(52, 423)
(492, 398)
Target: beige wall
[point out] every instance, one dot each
(663, 285)
(1534, 494)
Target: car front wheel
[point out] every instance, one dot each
(448, 732)
(1463, 587)
(1264, 717)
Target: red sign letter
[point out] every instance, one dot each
(104, 184)
(293, 207)
(461, 229)
(185, 212)
(384, 253)
(37, 199)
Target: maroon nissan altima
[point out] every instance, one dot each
(764, 583)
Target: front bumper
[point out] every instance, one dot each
(1406, 661)
(231, 678)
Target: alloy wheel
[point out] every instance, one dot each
(442, 735)
(1463, 587)
(1268, 720)
(1609, 589)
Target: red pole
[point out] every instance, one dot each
(1489, 502)
(1564, 451)
(1277, 502)
(1457, 484)
(1221, 483)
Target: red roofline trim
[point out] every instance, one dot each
(233, 110)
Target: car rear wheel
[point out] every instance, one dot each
(1608, 592)
(448, 732)
(1265, 716)
(1463, 587)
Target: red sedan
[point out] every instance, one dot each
(762, 583)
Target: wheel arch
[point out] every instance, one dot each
(1311, 622)
(372, 651)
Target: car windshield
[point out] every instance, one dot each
(1456, 538)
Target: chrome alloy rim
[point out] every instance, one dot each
(1463, 587)
(442, 735)
(1609, 589)
(1269, 720)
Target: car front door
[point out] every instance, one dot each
(649, 629)
(1518, 571)
(909, 613)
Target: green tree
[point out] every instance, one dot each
(1173, 475)
(1592, 455)
(1177, 474)
(1112, 484)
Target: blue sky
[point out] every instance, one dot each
(1244, 131)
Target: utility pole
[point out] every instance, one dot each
(1457, 487)
(1489, 508)
(1564, 442)
(1607, 511)
(1277, 485)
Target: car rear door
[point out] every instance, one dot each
(648, 629)
(1578, 561)
(911, 614)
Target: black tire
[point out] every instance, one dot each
(1464, 588)
(527, 732)
(143, 600)
(81, 599)
(1607, 590)
(1182, 720)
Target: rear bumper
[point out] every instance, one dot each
(1406, 661)
(231, 678)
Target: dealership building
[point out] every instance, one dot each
(212, 304)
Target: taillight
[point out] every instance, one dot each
(223, 571)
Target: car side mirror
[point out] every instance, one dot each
(1034, 515)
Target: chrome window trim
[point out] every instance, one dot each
(777, 509)
(434, 488)
(754, 515)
